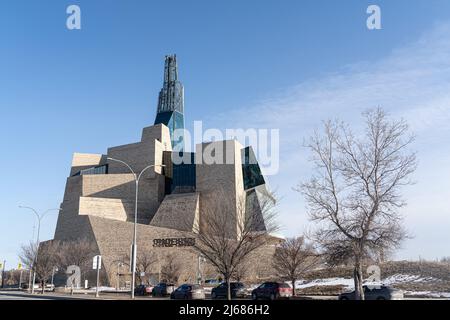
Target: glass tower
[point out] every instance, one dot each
(171, 104)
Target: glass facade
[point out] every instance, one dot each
(94, 170)
(174, 120)
(180, 177)
(250, 169)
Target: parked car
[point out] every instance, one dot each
(212, 282)
(221, 291)
(272, 291)
(143, 290)
(49, 287)
(163, 289)
(25, 285)
(375, 293)
(188, 292)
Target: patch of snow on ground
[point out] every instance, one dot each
(429, 294)
(348, 282)
(402, 278)
(301, 284)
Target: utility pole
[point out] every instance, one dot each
(20, 279)
(53, 273)
(3, 274)
(97, 264)
(29, 276)
(119, 264)
(20, 276)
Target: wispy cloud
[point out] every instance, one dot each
(413, 82)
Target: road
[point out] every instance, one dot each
(17, 295)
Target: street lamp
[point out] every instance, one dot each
(134, 245)
(39, 218)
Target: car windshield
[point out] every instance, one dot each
(284, 285)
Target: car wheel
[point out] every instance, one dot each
(343, 298)
(254, 296)
(381, 298)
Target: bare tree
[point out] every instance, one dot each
(77, 252)
(293, 258)
(44, 260)
(354, 194)
(171, 269)
(445, 260)
(242, 270)
(145, 260)
(226, 239)
(11, 277)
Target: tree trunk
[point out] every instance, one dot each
(227, 280)
(43, 286)
(357, 276)
(293, 287)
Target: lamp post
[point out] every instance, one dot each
(137, 177)
(39, 218)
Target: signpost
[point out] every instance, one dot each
(97, 265)
(19, 267)
(3, 272)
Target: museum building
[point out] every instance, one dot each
(99, 197)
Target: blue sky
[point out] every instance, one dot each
(288, 64)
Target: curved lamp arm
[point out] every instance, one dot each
(147, 167)
(123, 162)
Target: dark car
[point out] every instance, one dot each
(188, 292)
(221, 291)
(272, 291)
(142, 290)
(375, 293)
(163, 289)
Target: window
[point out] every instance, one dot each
(181, 176)
(250, 169)
(94, 170)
